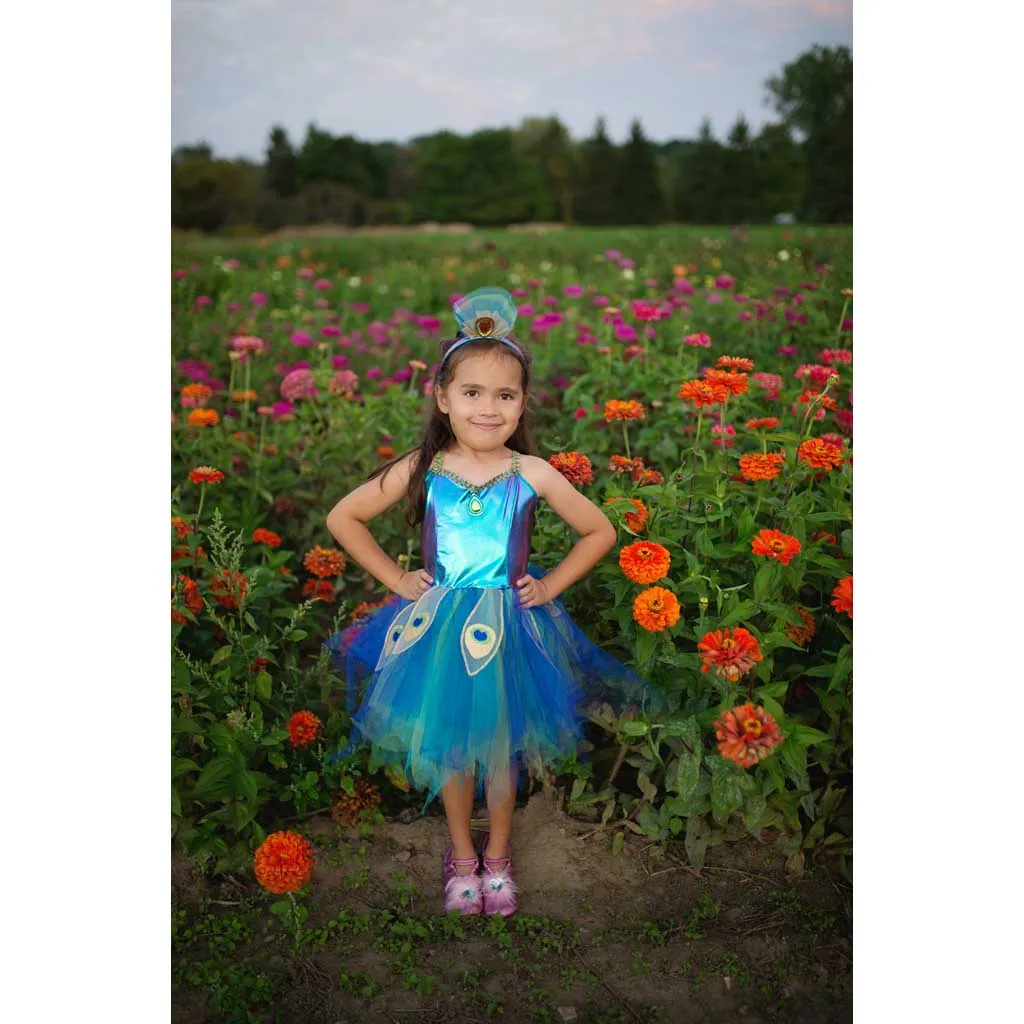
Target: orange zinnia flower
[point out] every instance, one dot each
(574, 466)
(244, 396)
(702, 392)
(637, 520)
(735, 363)
(620, 464)
(645, 561)
(648, 476)
(617, 409)
(194, 396)
(190, 593)
(181, 528)
(203, 418)
(774, 544)
(801, 634)
(731, 652)
(268, 537)
(228, 588)
(385, 452)
(825, 537)
(324, 562)
(817, 396)
(842, 596)
(764, 423)
(656, 609)
(820, 454)
(177, 553)
(761, 467)
(283, 862)
(747, 735)
(365, 607)
(303, 728)
(319, 590)
(734, 383)
(206, 475)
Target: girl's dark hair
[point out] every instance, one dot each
(437, 431)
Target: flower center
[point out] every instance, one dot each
(752, 727)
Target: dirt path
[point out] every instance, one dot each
(599, 938)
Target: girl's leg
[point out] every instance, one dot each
(501, 805)
(457, 795)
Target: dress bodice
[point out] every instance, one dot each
(477, 535)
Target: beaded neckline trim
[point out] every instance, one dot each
(437, 467)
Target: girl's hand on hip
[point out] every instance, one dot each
(413, 585)
(532, 592)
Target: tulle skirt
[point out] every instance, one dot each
(465, 679)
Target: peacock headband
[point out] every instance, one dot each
(485, 313)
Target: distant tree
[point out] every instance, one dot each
(281, 169)
(814, 96)
(638, 195)
(700, 195)
(547, 140)
(778, 172)
(599, 174)
(209, 195)
(199, 151)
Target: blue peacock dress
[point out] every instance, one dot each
(465, 678)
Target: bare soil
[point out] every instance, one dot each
(599, 937)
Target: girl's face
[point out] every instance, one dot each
(484, 400)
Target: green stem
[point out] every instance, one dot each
(625, 439)
(245, 407)
(842, 317)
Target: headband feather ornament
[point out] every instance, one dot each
(485, 313)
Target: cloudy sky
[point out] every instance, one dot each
(393, 69)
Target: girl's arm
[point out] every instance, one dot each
(347, 520)
(597, 534)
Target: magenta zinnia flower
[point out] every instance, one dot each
(698, 340)
(301, 339)
(572, 291)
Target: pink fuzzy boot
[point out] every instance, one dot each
(500, 892)
(461, 892)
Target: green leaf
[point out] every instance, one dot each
(805, 735)
(297, 634)
(182, 766)
(696, 842)
(762, 581)
(617, 843)
(729, 787)
(251, 622)
(634, 728)
(221, 654)
(753, 811)
(687, 773)
(646, 644)
(773, 690)
(214, 781)
(175, 801)
(262, 684)
(742, 611)
(181, 678)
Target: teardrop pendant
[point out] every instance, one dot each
(476, 506)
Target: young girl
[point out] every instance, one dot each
(473, 665)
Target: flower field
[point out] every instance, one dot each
(697, 385)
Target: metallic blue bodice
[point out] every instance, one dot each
(488, 549)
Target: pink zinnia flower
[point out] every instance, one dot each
(305, 272)
(298, 384)
(613, 254)
(786, 350)
(646, 311)
(550, 300)
(625, 332)
(601, 300)
(684, 286)
(247, 343)
(329, 331)
(374, 373)
(724, 442)
(202, 301)
(837, 355)
(525, 310)
(847, 324)
(301, 339)
(572, 291)
(322, 285)
(713, 297)
(771, 382)
(339, 362)
(698, 340)
(724, 281)
(580, 414)
(258, 298)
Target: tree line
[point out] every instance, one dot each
(800, 164)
